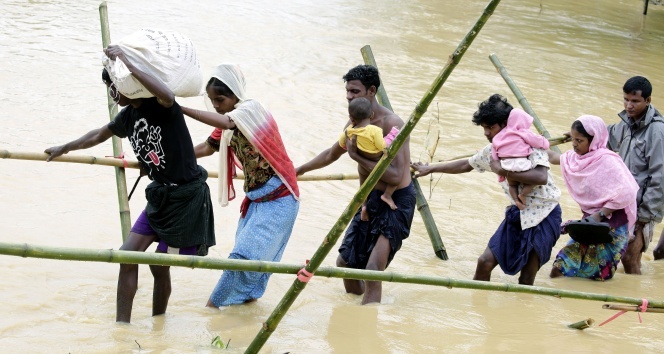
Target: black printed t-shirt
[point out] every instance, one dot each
(160, 139)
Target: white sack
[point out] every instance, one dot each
(166, 55)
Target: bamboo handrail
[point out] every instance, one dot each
(120, 177)
(522, 99)
(634, 308)
(422, 205)
(164, 259)
(328, 242)
(115, 162)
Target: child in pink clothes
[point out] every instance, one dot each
(512, 146)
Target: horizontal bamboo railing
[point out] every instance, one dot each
(130, 257)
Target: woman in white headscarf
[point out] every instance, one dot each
(247, 136)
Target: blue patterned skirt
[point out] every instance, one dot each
(261, 235)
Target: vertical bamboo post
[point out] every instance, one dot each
(120, 178)
(381, 94)
(522, 99)
(422, 205)
(280, 310)
(645, 7)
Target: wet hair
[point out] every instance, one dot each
(367, 74)
(494, 110)
(359, 109)
(638, 83)
(106, 77)
(219, 87)
(578, 126)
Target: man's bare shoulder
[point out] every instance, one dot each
(394, 120)
(390, 119)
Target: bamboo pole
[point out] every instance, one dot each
(280, 310)
(422, 205)
(634, 308)
(131, 257)
(429, 222)
(91, 160)
(120, 178)
(381, 94)
(522, 99)
(553, 141)
(587, 323)
(110, 161)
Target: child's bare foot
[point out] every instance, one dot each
(364, 215)
(389, 201)
(522, 199)
(519, 204)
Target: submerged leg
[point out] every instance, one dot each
(658, 252)
(162, 288)
(352, 286)
(377, 261)
(128, 276)
(632, 259)
(485, 264)
(127, 285)
(555, 273)
(529, 271)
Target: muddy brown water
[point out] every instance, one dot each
(568, 58)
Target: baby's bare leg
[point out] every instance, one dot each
(364, 214)
(514, 193)
(387, 196)
(527, 188)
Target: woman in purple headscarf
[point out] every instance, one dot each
(598, 180)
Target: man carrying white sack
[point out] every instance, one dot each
(178, 214)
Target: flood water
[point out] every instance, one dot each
(568, 58)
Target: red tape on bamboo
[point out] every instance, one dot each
(303, 275)
(643, 307)
(121, 157)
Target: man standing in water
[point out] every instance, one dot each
(371, 244)
(523, 241)
(639, 139)
(179, 210)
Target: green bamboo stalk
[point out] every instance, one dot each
(120, 178)
(422, 205)
(381, 94)
(429, 222)
(273, 320)
(130, 257)
(114, 162)
(552, 141)
(582, 324)
(522, 99)
(634, 308)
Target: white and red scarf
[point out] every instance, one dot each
(259, 127)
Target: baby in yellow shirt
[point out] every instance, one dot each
(370, 142)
